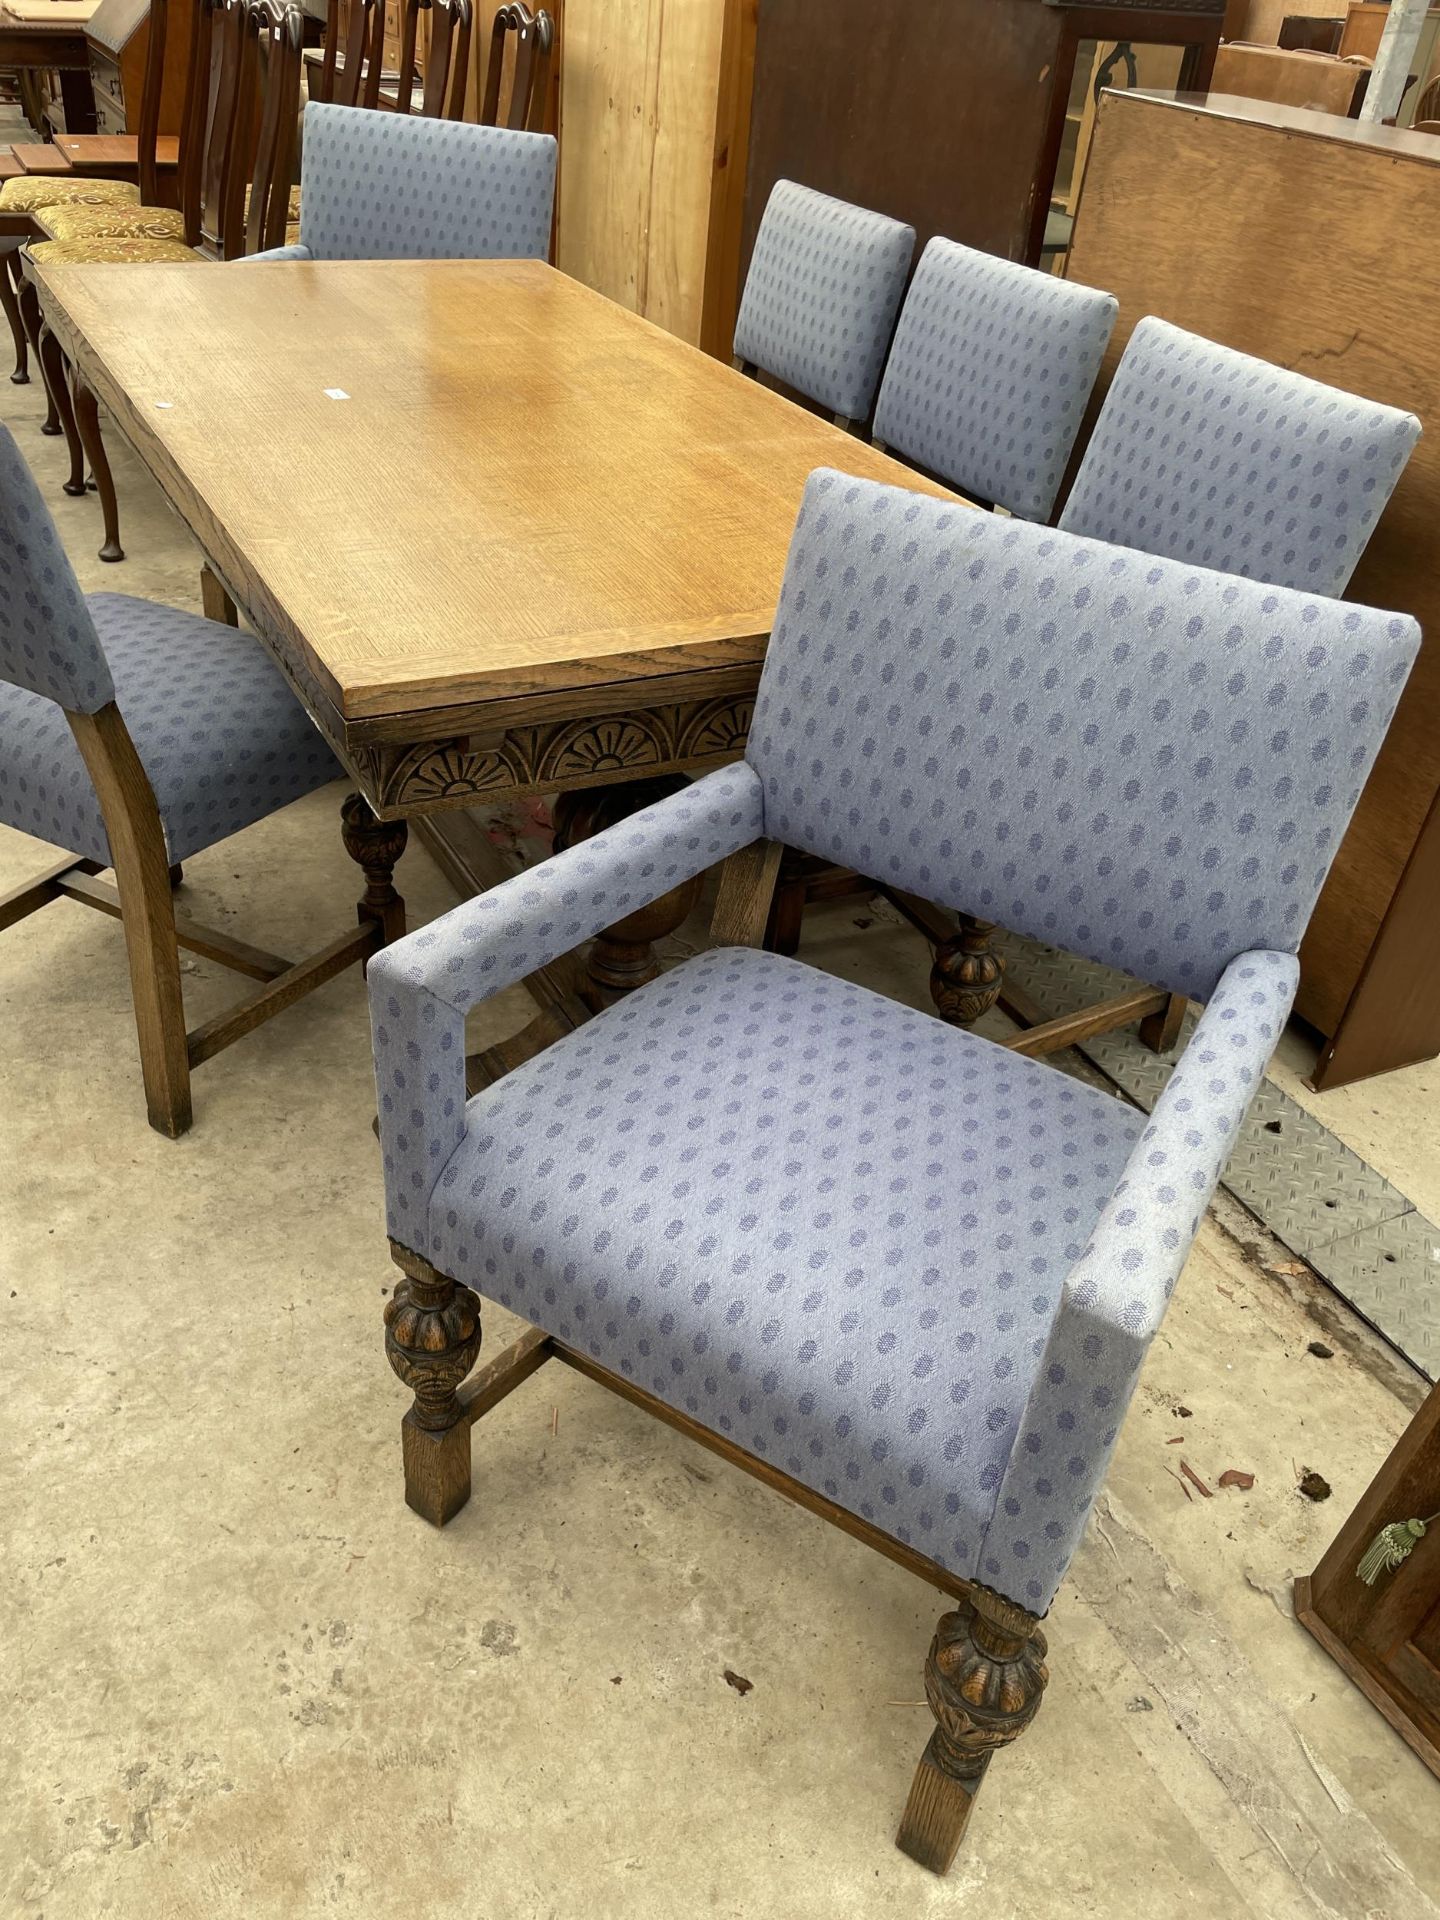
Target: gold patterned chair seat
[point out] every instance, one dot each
(110, 249)
(33, 191)
(71, 222)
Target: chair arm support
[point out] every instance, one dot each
(298, 251)
(1116, 1294)
(422, 987)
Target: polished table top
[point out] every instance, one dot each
(448, 489)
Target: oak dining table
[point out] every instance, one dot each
(502, 536)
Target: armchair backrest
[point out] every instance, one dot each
(821, 294)
(48, 642)
(1138, 761)
(389, 186)
(1209, 456)
(987, 381)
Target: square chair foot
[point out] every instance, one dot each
(936, 1814)
(437, 1469)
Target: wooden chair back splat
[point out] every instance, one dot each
(152, 86)
(447, 60)
(534, 39)
(244, 106)
(275, 42)
(362, 32)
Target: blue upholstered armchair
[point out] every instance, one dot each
(1209, 456)
(821, 294)
(987, 381)
(390, 186)
(133, 736)
(902, 1272)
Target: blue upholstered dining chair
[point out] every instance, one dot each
(389, 186)
(1210, 456)
(135, 735)
(821, 294)
(899, 1270)
(988, 377)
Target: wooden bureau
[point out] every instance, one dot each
(117, 35)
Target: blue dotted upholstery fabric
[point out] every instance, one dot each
(224, 741)
(389, 186)
(48, 643)
(988, 377)
(821, 296)
(1138, 761)
(916, 1272)
(1208, 456)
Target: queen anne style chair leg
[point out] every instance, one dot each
(29, 303)
(984, 1679)
(10, 300)
(52, 362)
(87, 419)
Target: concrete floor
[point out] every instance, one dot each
(240, 1678)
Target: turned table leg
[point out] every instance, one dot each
(984, 1679)
(623, 956)
(966, 978)
(432, 1340)
(375, 846)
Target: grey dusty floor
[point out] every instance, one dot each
(240, 1679)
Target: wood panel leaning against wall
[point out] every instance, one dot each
(639, 89)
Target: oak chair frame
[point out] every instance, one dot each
(142, 900)
(985, 1672)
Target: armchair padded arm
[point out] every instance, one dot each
(1116, 1294)
(422, 987)
(294, 252)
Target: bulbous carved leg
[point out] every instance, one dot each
(965, 979)
(432, 1340)
(983, 1679)
(623, 956)
(375, 846)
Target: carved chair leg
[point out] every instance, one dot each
(623, 956)
(1161, 1030)
(983, 1678)
(10, 300)
(375, 846)
(29, 303)
(52, 362)
(966, 977)
(87, 418)
(432, 1340)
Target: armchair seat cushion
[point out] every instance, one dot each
(829, 1227)
(220, 734)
